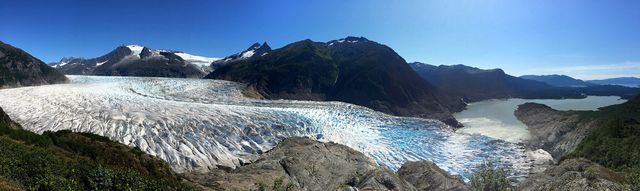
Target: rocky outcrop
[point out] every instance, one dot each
(304, 164)
(575, 174)
(557, 132)
(18, 68)
(425, 175)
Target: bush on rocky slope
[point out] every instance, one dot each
(488, 177)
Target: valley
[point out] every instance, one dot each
(197, 125)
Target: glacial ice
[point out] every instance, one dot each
(197, 124)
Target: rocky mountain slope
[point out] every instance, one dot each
(303, 164)
(19, 68)
(353, 70)
(558, 80)
(561, 132)
(136, 60)
(557, 132)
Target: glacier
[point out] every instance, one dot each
(199, 124)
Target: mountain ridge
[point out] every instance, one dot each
(138, 60)
(353, 69)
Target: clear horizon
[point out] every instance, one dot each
(585, 40)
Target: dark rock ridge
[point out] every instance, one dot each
(135, 60)
(353, 70)
(304, 164)
(474, 84)
(19, 68)
(575, 174)
(4, 119)
(558, 80)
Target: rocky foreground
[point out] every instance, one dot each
(304, 164)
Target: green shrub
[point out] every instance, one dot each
(633, 178)
(488, 177)
(615, 145)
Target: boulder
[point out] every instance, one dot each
(425, 175)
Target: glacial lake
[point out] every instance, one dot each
(496, 119)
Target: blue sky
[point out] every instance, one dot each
(583, 39)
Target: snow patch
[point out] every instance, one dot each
(194, 58)
(62, 64)
(247, 54)
(135, 49)
(101, 63)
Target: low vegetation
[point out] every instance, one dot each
(77, 161)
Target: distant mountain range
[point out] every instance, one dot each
(624, 81)
(566, 81)
(354, 70)
(473, 84)
(19, 68)
(558, 80)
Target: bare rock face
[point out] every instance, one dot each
(425, 175)
(575, 174)
(557, 132)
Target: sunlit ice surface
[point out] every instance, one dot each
(197, 124)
